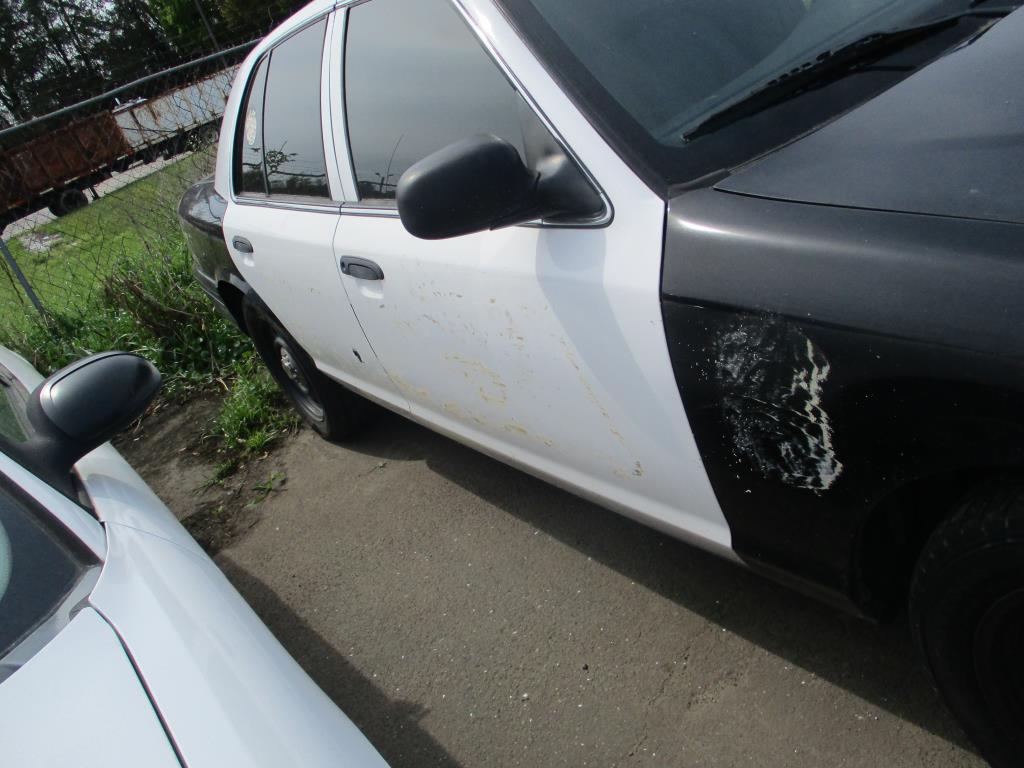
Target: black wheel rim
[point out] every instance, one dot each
(999, 663)
(294, 379)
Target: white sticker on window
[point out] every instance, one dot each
(250, 127)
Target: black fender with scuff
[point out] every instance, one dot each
(847, 375)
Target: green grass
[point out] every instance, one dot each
(119, 277)
(135, 221)
(253, 414)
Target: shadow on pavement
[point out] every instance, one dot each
(877, 663)
(392, 726)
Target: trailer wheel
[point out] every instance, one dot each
(68, 200)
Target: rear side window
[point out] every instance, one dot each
(249, 178)
(417, 80)
(280, 148)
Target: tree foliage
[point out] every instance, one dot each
(54, 53)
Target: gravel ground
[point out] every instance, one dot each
(465, 614)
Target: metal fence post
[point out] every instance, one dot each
(29, 291)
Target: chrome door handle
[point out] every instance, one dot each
(241, 244)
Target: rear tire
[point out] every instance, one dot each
(967, 615)
(326, 406)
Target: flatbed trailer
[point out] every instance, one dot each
(56, 169)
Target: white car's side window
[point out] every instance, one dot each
(38, 570)
(279, 150)
(417, 80)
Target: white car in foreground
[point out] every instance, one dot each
(121, 643)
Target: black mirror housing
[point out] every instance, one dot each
(466, 187)
(481, 183)
(82, 406)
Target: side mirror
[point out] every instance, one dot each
(481, 183)
(82, 406)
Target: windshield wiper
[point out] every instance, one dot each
(827, 66)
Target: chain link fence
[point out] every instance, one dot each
(88, 200)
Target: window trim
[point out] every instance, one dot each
(375, 209)
(240, 126)
(287, 202)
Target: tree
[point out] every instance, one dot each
(188, 24)
(45, 54)
(20, 57)
(54, 53)
(253, 19)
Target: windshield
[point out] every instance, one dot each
(665, 66)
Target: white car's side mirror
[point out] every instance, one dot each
(82, 406)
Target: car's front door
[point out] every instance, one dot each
(541, 344)
(283, 209)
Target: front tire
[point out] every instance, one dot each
(967, 615)
(326, 406)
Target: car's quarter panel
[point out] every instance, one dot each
(828, 357)
(227, 690)
(543, 346)
(201, 216)
(79, 702)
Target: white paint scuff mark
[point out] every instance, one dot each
(819, 442)
(773, 382)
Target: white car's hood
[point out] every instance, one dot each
(228, 692)
(79, 702)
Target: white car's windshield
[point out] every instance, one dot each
(666, 66)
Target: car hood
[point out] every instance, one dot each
(228, 692)
(59, 708)
(947, 141)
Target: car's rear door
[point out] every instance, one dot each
(542, 344)
(283, 208)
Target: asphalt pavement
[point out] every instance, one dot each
(465, 614)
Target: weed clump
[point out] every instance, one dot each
(146, 301)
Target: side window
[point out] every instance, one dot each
(249, 177)
(36, 572)
(280, 148)
(417, 80)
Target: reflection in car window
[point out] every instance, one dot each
(417, 80)
(292, 132)
(249, 138)
(36, 572)
(13, 421)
